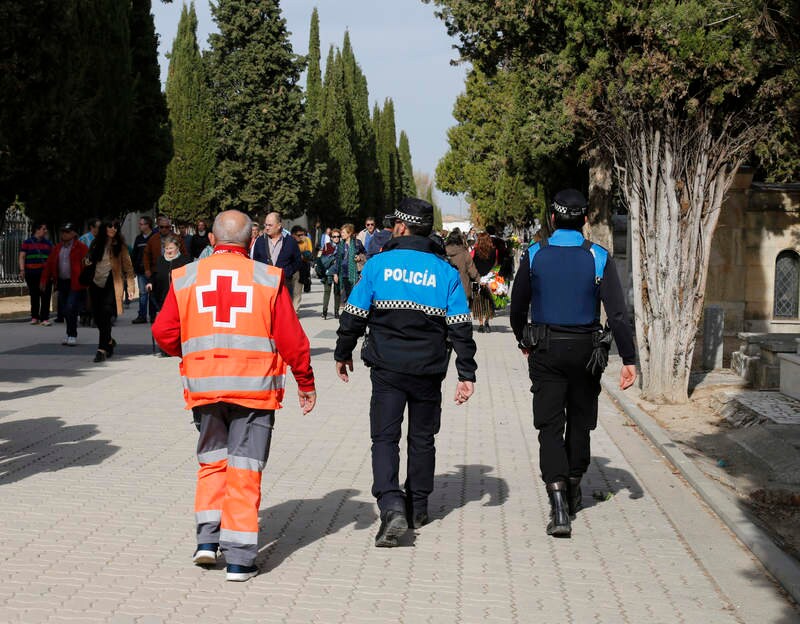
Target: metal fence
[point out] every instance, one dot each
(16, 228)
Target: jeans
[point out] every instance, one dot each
(146, 302)
(69, 304)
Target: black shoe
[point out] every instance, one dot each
(324, 316)
(574, 497)
(336, 315)
(559, 525)
(480, 329)
(487, 329)
(393, 525)
(100, 356)
(420, 519)
(110, 348)
(139, 320)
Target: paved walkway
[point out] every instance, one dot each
(96, 489)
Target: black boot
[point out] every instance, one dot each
(575, 499)
(559, 524)
(393, 526)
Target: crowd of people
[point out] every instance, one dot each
(94, 273)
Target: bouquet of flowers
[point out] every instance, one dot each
(494, 283)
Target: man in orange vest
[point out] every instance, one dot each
(232, 321)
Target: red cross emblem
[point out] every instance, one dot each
(224, 297)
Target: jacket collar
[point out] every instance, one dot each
(220, 249)
(415, 243)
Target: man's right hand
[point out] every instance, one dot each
(308, 399)
(464, 390)
(627, 376)
(341, 370)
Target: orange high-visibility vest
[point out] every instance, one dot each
(225, 304)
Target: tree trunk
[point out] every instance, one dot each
(600, 179)
(674, 176)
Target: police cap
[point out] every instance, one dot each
(570, 203)
(414, 211)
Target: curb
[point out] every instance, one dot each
(783, 567)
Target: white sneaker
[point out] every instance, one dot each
(71, 341)
(46, 323)
(65, 341)
(34, 321)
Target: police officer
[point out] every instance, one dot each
(562, 281)
(412, 302)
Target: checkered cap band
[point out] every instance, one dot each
(408, 218)
(393, 304)
(566, 210)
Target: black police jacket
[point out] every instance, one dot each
(413, 303)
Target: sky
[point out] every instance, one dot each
(403, 50)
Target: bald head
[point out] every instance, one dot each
(232, 227)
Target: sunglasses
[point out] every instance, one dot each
(335, 236)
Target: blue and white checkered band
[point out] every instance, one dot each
(459, 318)
(408, 218)
(351, 309)
(409, 305)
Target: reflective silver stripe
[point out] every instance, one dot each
(210, 515)
(209, 457)
(263, 277)
(459, 318)
(228, 341)
(187, 279)
(246, 463)
(221, 384)
(238, 537)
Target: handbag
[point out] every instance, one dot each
(86, 276)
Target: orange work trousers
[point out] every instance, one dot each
(232, 451)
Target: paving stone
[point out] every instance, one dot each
(109, 483)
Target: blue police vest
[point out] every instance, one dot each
(565, 273)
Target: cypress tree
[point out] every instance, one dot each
(408, 186)
(262, 149)
(314, 75)
(189, 178)
(140, 175)
(362, 134)
(343, 166)
(380, 197)
(388, 159)
(97, 110)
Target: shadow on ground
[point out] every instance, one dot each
(301, 522)
(291, 526)
(34, 445)
(602, 482)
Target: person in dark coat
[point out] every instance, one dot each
(161, 277)
(278, 248)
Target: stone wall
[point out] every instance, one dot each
(757, 222)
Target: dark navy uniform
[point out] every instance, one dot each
(414, 306)
(561, 282)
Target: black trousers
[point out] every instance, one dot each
(564, 406)
(40, 297)
(391, 392)
(104, 307)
